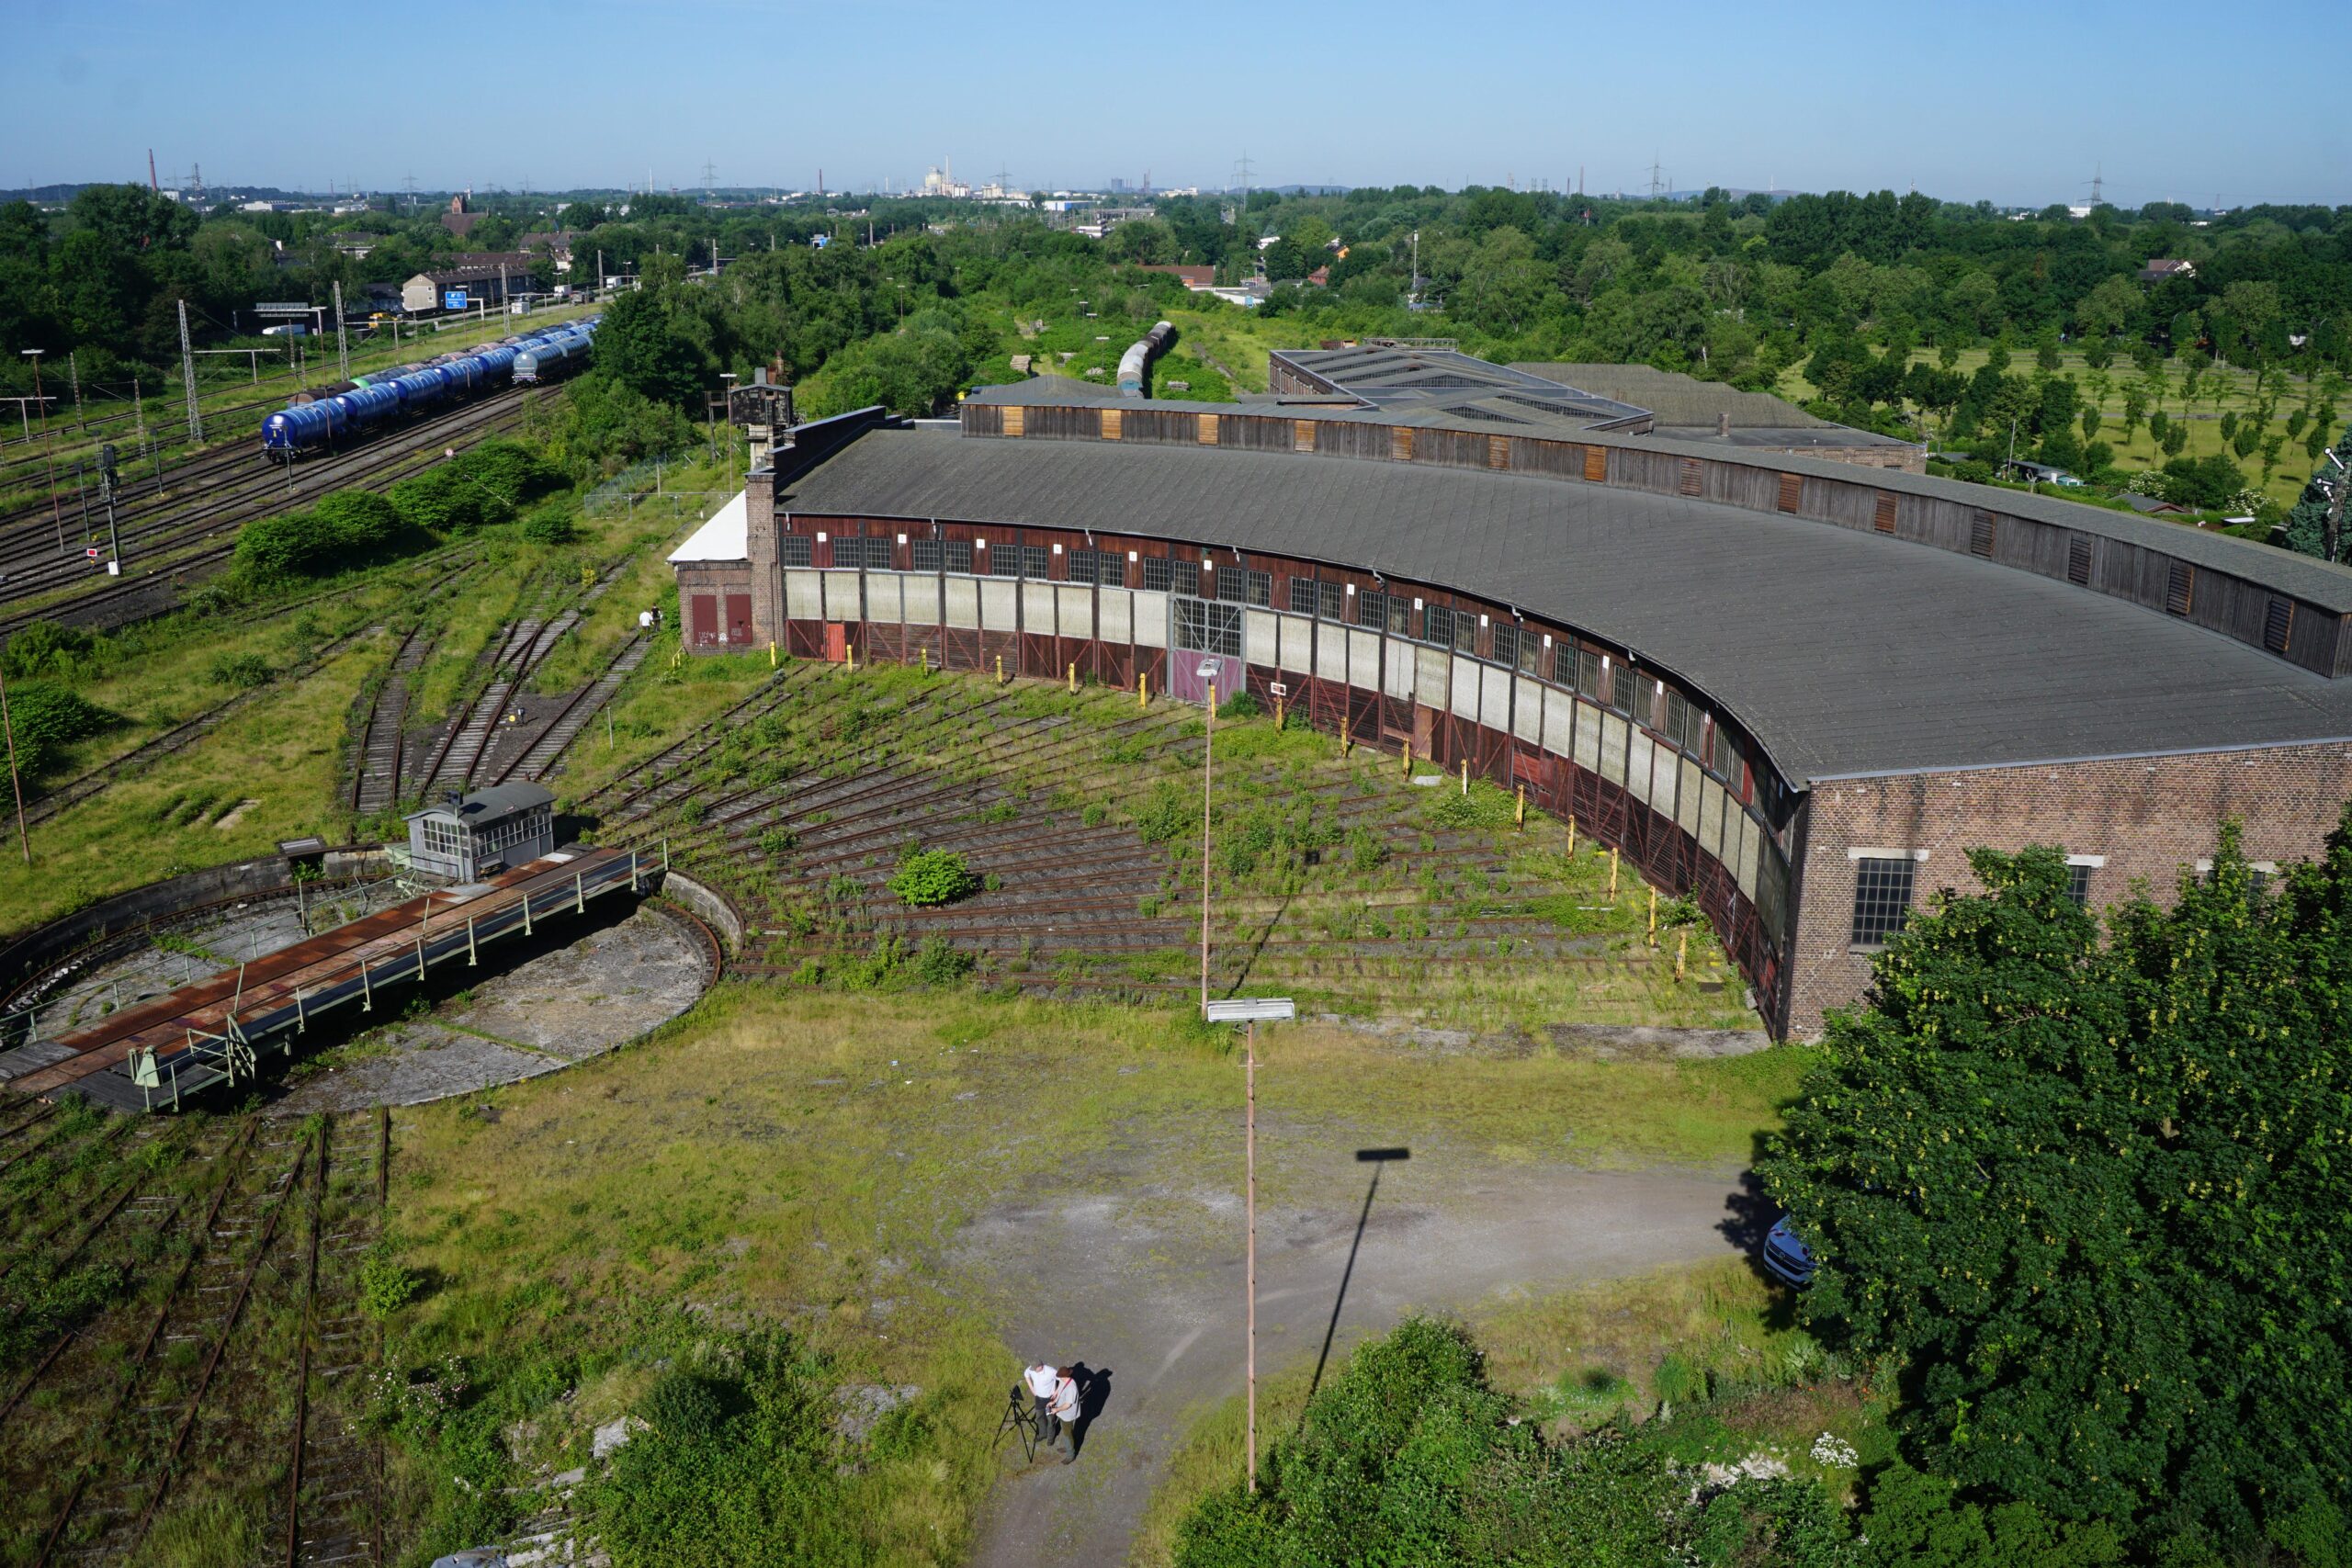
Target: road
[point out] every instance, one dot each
(1145, 1279)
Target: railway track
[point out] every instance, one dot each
(535, 761)
(375, 781)
(375, 466)
(331, 1507)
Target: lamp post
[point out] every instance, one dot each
(55, 516)
(1249, 1012)
(1209, 669)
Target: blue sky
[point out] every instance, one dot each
(2010, 102)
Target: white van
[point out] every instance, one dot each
(287, 329)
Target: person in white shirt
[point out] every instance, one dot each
(1063, 1409)
(1041, 1379)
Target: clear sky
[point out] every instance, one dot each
(2010, 102)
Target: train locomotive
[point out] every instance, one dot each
(382, 399)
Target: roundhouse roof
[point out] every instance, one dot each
(1841, 651)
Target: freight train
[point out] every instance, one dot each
(327, 417)
(1135, 366)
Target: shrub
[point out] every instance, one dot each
(937, 963)
(511, 472)
(346, 529)
(1366, 851)
(242, 671)
(777, 840)
(386, 1284)
(551, 529)
(361, 520)
(444, 500)
(1166, 814)
(1484, 806)
(928, 877)
(1241, 704)
(736, 1464)
(44, 648)
(46, 718)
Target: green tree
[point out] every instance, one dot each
(642, 345)
(2083, 1199)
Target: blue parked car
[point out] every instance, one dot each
(1787, 1256)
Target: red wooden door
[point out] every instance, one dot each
(738, 618)
(836, 642)
(702, 609)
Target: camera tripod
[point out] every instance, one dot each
(1021, 1416)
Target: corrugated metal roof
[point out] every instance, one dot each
(1676, 399)
(2320, 582)
(1843, 651)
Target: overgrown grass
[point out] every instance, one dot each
(806, 1157)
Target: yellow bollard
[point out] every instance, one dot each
(1143, 690)
(927, 661)
(1613, 876)
(1000, 669)
(1278, 713)
(771, 653)
(1572, 833)
(851, 649)
(1073, 680)
(1465, 775)
(1409, 758)
(1347, 733)
(1681, 952)
(1653, 917)
(1520, 815)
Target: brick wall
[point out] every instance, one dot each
(2145, 816)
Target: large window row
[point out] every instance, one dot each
(1598, 677)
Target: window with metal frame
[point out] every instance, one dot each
(1437, 625)
(956, 555)
(880, 554)
(1882, 898)
(1262, 590)
(1371, 610)
(1588, 675)
(1302, 596)
(1620, 690)
(1678, 720)
(794, 549)
(1205, 626)
(1333, 599)
(1037, 561)
(1004, 560)
(1531, 651)
(1155, 574)
(1506, 645)
(924, 553)
(1466, 632)
(1400, 615)
(2078, 884)
(1232, 584)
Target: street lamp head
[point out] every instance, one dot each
(1254, 1010)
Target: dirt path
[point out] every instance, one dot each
(1144, 1278)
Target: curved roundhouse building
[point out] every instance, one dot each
(1797, 691)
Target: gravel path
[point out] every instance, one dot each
(1145, 1279)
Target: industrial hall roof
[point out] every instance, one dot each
(1843, 651)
